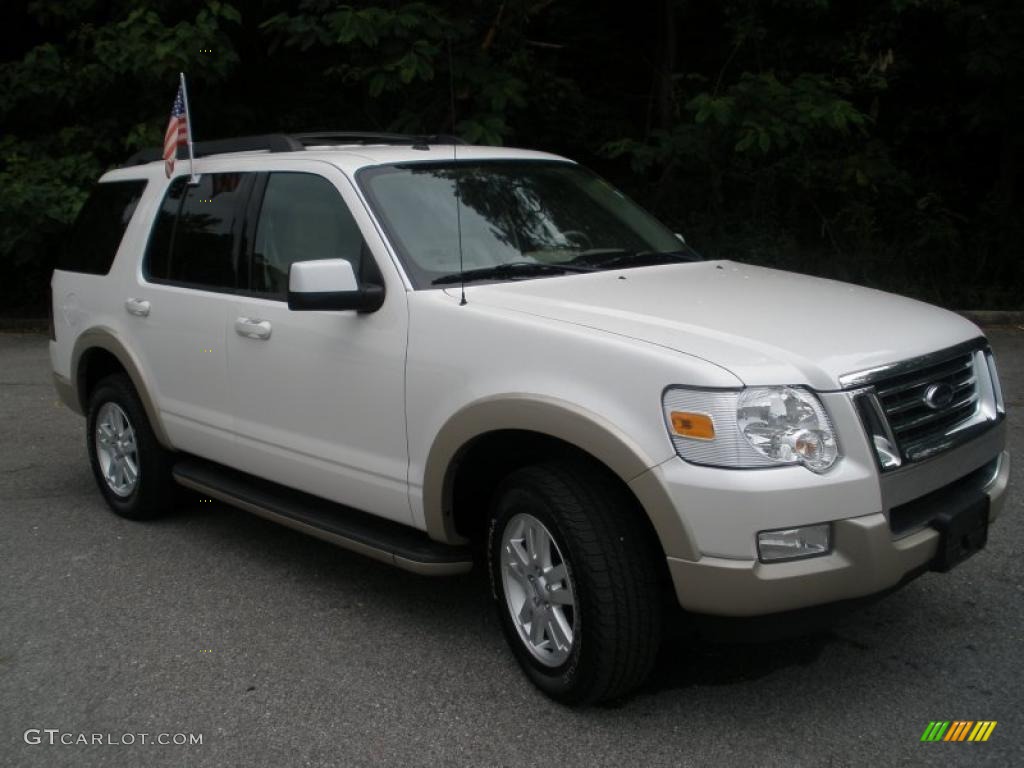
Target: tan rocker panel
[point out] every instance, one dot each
(565, 421)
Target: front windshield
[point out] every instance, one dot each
(525, 213)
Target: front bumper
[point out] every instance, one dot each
(866, 557)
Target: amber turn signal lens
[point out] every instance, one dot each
(696, 425)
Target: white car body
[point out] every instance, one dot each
(371, 409)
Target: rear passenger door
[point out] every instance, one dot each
(179, 303)
(318, 397)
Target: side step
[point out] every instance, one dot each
(376, 537)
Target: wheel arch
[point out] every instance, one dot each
(519, 422)
(98, 352)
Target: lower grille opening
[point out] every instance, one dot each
(921, 511)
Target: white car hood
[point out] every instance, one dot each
(764, 325)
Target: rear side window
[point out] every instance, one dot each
(303, 218)
(96, 234)
(195, 239)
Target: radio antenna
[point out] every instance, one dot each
(455, 172)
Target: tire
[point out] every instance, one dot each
(611, 579)
(114, 405)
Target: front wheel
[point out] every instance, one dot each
(576, 583)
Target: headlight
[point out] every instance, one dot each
(750, 428)
(788, 426)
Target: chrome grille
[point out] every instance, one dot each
(915, 424)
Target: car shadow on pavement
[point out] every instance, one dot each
(708, 662)
(462, 605)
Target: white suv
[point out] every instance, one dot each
(424, 352)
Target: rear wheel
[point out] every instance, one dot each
(576, 582)
(132, 469)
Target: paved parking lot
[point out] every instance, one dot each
(281, 650)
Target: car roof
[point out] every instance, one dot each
(348, 158)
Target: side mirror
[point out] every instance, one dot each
(330, 284)
(682, 239)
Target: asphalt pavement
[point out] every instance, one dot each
(276, 649)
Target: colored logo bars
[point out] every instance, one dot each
(958, 730)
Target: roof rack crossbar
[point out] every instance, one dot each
(283, 142)
(274, 142)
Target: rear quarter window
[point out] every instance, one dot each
(96, 234)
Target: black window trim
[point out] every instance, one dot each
(250, 221)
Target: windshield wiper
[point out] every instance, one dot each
(620, 257)
(509, 269)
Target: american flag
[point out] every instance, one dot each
(177, 132)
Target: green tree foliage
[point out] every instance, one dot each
(876, 141)
(95, 83)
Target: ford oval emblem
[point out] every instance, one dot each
(938, 396)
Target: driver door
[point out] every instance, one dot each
(318, 396)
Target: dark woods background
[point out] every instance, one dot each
(877, 141)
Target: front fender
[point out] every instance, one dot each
(588, 431)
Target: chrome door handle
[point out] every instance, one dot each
(252, 328)
(137, 307)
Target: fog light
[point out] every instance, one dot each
(794, 543)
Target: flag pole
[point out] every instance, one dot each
(193, 179)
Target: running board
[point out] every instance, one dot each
(376, 537)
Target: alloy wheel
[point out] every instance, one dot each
(117, 450)
(538, 589)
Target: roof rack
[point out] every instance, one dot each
(294, 142)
